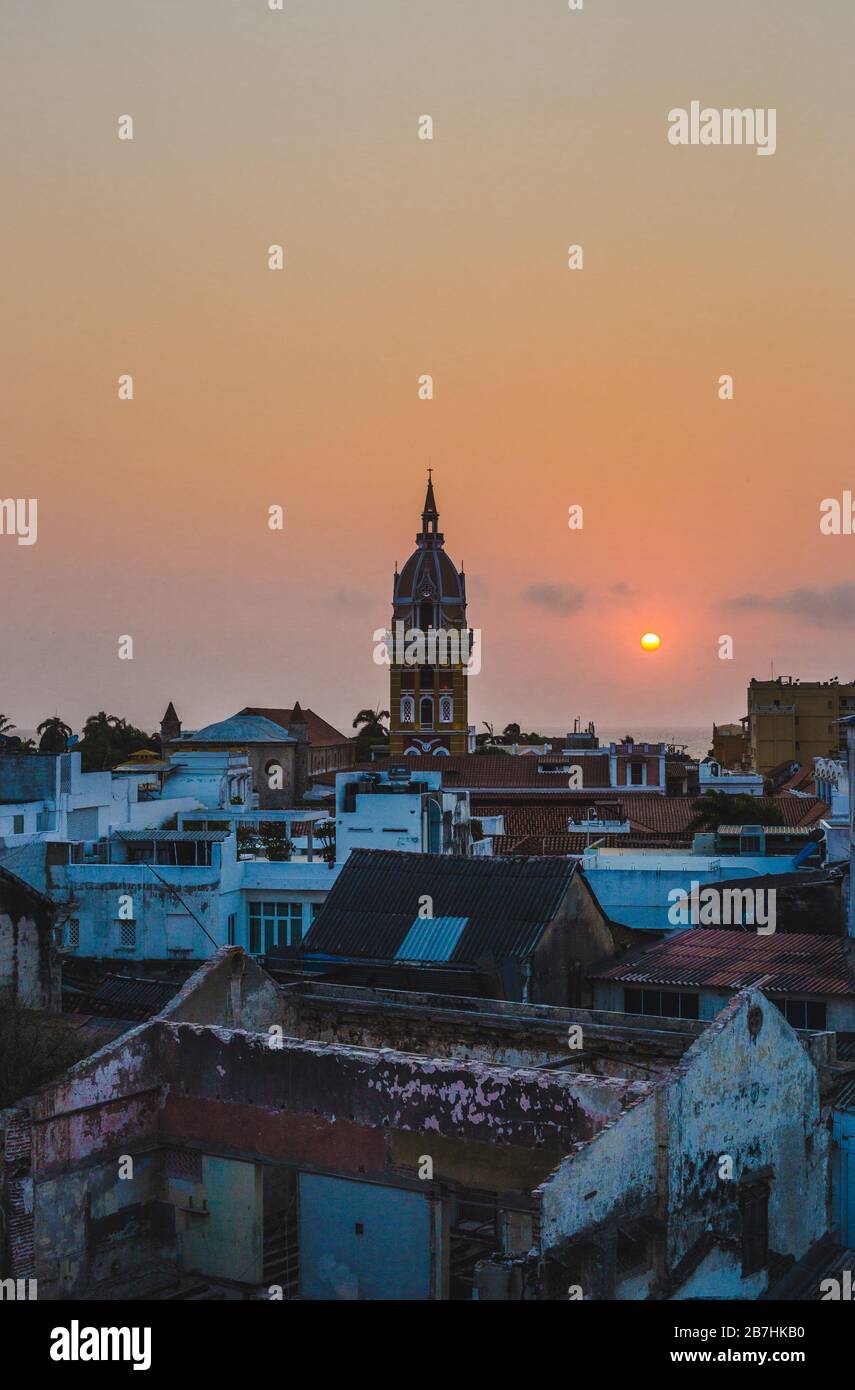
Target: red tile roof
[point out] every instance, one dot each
(663, 817)
(802, 781)
(790, 963)
(320, 732)
(539, 845)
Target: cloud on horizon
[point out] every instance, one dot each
(558, 598)
(833, 607)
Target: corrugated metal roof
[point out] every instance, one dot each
(120, 996)
(170, 835)
(784, 962)
(431, 938)
(507, 903)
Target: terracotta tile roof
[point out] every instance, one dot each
(540, 845)
(801, 781)
(320, 732)
(786, 962)
(497, 770)
(665, 817)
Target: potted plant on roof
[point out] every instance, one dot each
(325, 832)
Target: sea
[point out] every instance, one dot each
(696, 738)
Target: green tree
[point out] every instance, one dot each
(34, 1049)
(715, 808)
(107, 740)
(6, 724)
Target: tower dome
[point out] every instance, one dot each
(429, 591)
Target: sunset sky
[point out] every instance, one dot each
(402, 257)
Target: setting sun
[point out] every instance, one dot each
(650, 641)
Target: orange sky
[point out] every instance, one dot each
(403, 257)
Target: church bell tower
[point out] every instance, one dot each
(430, 648)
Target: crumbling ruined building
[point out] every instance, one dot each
(29, 968)
(318, 1141)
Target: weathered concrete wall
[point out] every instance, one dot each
(603, 1181)
(493, 1031)
(102, 1105)
(94, 1230)
(29, 968)
(230, 990)
(753, 1096)
(280, 1102)
(97, 890)
(578, 937)
(746, 1091)
(218, 1221)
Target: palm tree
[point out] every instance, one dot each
(372, 722)
(55, 734)
(5, 724)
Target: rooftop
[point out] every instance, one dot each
(241, 728)
(320, 732)
(789, 963)
(479, 907)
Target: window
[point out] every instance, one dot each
(232, 928)
(446, 709)
(663, 1003)
(803, 1013)
(636, 774)
(72, 934)
(273, 926)
(754, 1211)
(128, 935)
(408, 709)
(17, 825)
(426, 711)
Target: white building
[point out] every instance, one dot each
(179, 894)
(712, 777)
(633, 886)
(402, 809)
(831, 776)
(48, 796)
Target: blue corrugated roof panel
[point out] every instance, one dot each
(431, 938)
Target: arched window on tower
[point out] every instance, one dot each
(408, 709)
(426, 712)
(425, 616)
(446, 709)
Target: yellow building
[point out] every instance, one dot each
(429, 648)
(730, 745)
(796, 721)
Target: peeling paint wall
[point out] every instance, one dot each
(239, 1083)
(766, 1115)
(746, 1091)
(29, 969)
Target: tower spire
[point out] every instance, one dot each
(429, 534)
